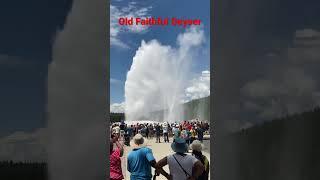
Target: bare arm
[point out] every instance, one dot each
(120, 146)
(160, 164)
(153, 163)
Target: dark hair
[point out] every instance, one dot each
(198, 155)
(111, 145)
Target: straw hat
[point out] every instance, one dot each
(196, 145)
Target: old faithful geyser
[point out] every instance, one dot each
(156, 79)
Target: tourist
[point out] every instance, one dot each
(169, 130)
(188, 137)
(180, 128)
(174, 130)
(184, 134)
(188, 126)
(177, 132)
(200, 132)
(115, 161)
(140, 160)
(158, 132)
(182, 166)
(151, 131)
(197, 147)
(116, 130)
(130, 131)
(147, 131)
(165, 132)
(193, 134)
(136, 129)
(161, 129)
(122, 125)
(133, 130)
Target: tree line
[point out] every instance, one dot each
(10, 170)
(285, 148)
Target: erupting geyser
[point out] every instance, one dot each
(76, 101)
(157, 78)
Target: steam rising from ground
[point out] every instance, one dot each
(156, 79)
(77, 95)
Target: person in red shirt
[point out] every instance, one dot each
(189, 127)
(115, 160)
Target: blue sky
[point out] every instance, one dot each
(121, 55)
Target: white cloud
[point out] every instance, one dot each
(114, 81)
(117, 107)
(199, 87)
(24, 146)
(117, 42)
(289, 87)
(192, 37)
(132, 10)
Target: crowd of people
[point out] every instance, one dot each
(187, 130)
(140, 161)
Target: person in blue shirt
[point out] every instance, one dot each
(140, 160)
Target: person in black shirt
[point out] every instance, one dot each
(147, 131)
(158, 133)
(200, 132)
(130, 131)
(122, 126)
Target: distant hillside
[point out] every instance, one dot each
(116, 117)
(198, 108)
(282, 149)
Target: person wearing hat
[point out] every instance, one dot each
(197, 147)
(182, 166)
(140, 160)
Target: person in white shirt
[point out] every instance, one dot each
(165, 132)
(174, 129)
(182, 166)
